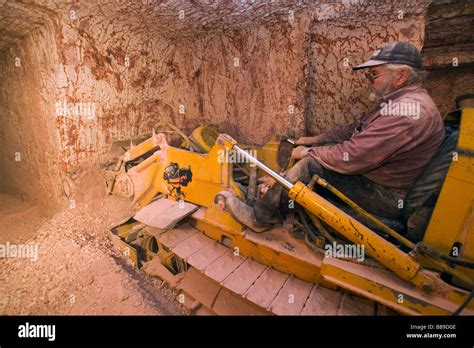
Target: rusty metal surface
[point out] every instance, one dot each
(322, 301)
(266, 287)
(353, 305)
(220, 269)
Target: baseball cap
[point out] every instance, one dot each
(400, 52)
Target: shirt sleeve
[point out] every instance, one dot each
(368, 149)
(339, 134)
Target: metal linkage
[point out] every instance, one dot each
(285, 183)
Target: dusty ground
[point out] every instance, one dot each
(77, 270)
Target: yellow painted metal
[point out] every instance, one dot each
(124, 247)
(128, 231)
(267, 154)
(453, 217)
(430, 262)
(383, 287)
(386, 253)
(362, 212)
(142, 148)
(222, 220)
(325, 272)
(210, 174)
(204, 137)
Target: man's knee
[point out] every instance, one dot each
(304, 169)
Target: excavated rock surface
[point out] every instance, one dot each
(253, 68)
(77, 270)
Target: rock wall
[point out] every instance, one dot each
(28, 144)
(106, 73)
(117, 85)
(251, 82)
(295, 76)
(446, 84)
(448, 51)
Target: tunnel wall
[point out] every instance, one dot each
(251, 83)
(446, 84)
(292, 76)
(448, 51)
(103, 80)
(248, 82)
(125, 83)
(28, 143)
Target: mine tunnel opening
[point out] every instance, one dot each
(24, 206)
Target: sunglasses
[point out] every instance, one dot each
(371, 77)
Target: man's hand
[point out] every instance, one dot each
(309, 141)
(299, 152)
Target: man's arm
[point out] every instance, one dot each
(366, 150)
(336, 135)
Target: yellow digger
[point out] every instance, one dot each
(184, 230)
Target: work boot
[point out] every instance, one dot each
(267, 207)
(240, 211)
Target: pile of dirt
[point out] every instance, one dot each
(76, 269)
(19, 219)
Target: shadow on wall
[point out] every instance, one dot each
(448, 52)
(446, 84)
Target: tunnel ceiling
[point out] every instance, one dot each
(169, 19)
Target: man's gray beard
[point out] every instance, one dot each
(385, 90)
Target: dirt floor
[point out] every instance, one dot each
(77, 270)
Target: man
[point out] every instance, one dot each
(375, 159)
